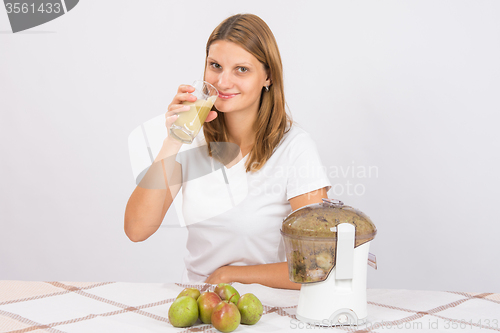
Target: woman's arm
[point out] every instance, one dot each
(308, 198)
(154, 195)
(271, 275)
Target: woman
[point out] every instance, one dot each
(278, 168)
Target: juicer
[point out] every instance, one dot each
(327, 248)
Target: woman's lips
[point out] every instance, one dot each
(226, 95)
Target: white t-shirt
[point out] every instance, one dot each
(234, 217)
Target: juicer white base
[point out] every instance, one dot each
(342, 317)
(337, 301)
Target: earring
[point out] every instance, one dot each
(267, 88)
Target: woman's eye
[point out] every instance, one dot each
(242, 69)
(215, 65)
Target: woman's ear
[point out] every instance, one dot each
(268, 79)
(268, 82)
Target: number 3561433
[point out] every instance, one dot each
(19, 7)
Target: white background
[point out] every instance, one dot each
(409, 88)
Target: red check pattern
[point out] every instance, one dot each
(135, 307)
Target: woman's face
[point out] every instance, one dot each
(238, 76)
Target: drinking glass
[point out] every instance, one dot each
(189, 123)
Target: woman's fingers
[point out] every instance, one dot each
(172, 115)
(170, 120)
(179, 99)
(174, 108)
(183, 88)
(211, 116)
(183, 95)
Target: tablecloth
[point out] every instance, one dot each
(29, 306)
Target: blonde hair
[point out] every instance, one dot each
(252, 34)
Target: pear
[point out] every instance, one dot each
(206, 304)
(225, 291)
(191, 292)
(226, 316)
(183, 312)
(250, 309)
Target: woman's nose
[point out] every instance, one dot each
(224, 80)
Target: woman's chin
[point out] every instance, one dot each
(221, 108)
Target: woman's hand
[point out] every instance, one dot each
(183, 95)
(219, 276)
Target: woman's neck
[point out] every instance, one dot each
(240, 129)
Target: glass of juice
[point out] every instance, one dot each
(189, 123)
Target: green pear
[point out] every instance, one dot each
(183, 312)
(250, 309)
(226, 316)
(191, 292)
(225, 291)
(206, 304)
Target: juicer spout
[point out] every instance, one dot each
(346, 233)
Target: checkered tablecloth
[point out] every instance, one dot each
(143, 307)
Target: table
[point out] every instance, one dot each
(27, 306)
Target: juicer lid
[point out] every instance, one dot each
(320, 221)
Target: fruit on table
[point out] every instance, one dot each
(191, 292)
(183, 312)
(223, 308)
(226, 316)
(250, 309)
(206, 304)
(226, 291)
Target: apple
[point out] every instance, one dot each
(206, 304)
(226, 291)
(191, 292)
(226, 316)
(250, 309)
(183, 312)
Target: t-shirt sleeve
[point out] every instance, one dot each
(306, 173)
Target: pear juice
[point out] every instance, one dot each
(189, 123)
